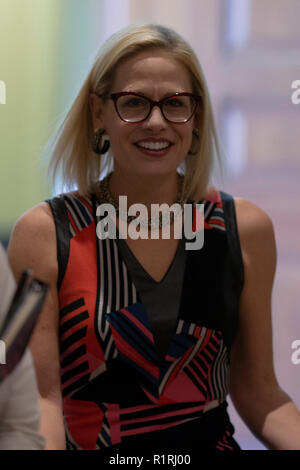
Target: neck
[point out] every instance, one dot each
(145, 190)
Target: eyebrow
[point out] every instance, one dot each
(171, 93)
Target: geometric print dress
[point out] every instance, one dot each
(116, 394)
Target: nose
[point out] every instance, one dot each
(155, 119)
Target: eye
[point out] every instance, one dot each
(134, 102)
(174, 102)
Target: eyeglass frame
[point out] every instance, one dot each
(115, 96)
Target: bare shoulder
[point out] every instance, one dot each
(257, 240)
(33, 243)
(255, 227)
(251, 218)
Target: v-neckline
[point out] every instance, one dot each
(135, 259)
(141, 267)
(160, 362)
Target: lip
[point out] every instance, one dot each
(154, 153)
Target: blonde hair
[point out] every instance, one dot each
(71, 145)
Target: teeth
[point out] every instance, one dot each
(154, 145)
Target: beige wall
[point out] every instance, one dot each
(249, 51)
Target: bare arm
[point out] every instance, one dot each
(33, 245)
(267, 410)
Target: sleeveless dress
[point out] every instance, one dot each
(144, 364)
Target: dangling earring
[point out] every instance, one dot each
(197, 146)
(99, 135)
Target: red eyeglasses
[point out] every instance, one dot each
(133, 107)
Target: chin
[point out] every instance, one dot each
(155, 172)
(153, 169)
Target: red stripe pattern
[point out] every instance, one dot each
(112, 383)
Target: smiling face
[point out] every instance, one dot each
(154, 146)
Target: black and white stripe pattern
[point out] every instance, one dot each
(104, 437)
(115, 290)
(211, 361)
(217, 215)
(208, 209)
(220, 373)
(189, 358)
(81, 215)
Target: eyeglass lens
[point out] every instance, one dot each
(136, 108)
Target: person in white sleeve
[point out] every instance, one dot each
(19, 408)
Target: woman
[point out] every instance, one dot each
(135, 344)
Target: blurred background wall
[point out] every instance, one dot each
(249, 50)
